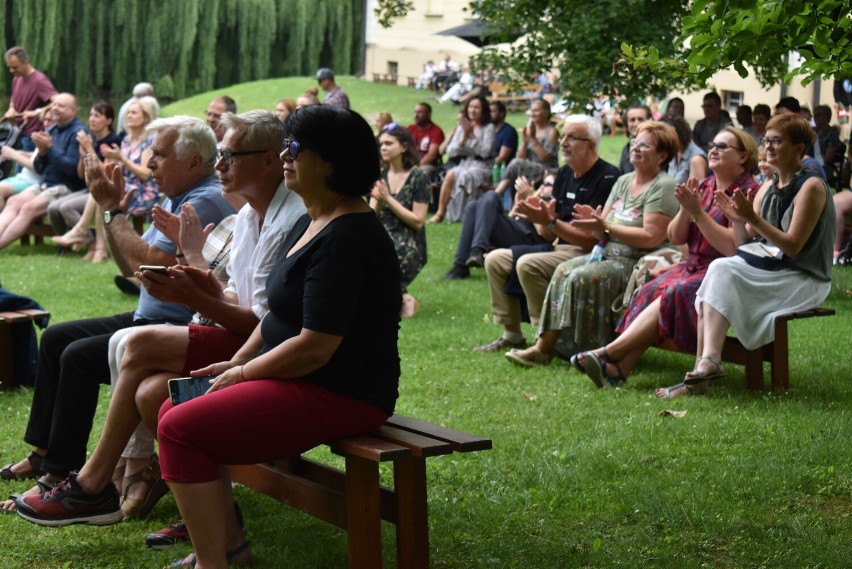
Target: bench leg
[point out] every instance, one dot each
(754, 370)
(7, 368)
(779, 357)
(412, 526)
(363, 513)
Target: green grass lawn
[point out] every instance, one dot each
(578, 477)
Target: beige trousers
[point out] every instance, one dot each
(534, 272)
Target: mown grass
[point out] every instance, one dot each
(578, 477)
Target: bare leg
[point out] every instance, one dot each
(626, 350)
(204, 507)
(156, 352)
(444, 197)
(19, 212)
(842, 207)
(80, 232)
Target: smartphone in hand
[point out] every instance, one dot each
(159, 269)
(182, 389)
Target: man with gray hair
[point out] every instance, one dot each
(139, 90)
(72, 359)
(518, 276)
(248, 165)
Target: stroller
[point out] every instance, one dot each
(10, 135)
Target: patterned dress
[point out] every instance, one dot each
(147, 194)
(474, 170)
(410, 245)
(677, 286)
(578, 300)
(531, 167)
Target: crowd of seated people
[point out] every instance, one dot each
(559, 257)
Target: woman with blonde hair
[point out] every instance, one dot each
(141, 190)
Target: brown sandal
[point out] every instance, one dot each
(157, 488)
(35, 460)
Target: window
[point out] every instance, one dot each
(731, 100)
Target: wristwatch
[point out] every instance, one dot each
(552, 225)
(110, 215)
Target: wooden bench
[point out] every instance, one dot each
(7, 319)
(384, 78)
(354, 499)
(775, 352)
(412, 81)
(514, 101)
(41, 228)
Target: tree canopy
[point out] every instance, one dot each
(632, 48)
(182, 47)
(717, 34)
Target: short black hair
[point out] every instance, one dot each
(342, 138)
(648, 114)
(790, 103)
(762, 110)
(500, 106)
(425, 104)
(713, 95)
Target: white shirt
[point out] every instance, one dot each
(256, 248)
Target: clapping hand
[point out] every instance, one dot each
(105, 182)
(536, 210)
(739, 208)
(688, 197)
(380, 191)
(589, 218)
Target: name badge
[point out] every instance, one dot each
(570, 195)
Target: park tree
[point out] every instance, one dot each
(752, 37)
(633, 48)
(98, 48)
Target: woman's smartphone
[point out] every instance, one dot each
(182, 389)
(159, 269)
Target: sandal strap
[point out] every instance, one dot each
(712, 360)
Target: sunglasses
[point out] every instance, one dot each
(292, 147)
(722, 146)
(390, 126)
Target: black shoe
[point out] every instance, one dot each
(456, 273)
(476, 260)
(127, 285)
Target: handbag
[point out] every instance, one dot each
(659, 259)
(761, 255)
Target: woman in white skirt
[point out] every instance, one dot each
(793, 217)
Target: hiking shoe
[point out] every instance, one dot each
(501, 344)
(177, 532)
(67, 504)
(168, 536)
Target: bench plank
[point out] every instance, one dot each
(462, 442)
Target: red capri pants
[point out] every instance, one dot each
(255, 421)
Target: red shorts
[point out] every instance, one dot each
(210, 345)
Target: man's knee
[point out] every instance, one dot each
(498, 263)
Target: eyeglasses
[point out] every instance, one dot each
(547, 184)
(721, 146)
(640, 145)
(768, 141)
(292, 147)
(228, 157)
(570, 138)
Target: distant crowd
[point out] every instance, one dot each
(282, 248)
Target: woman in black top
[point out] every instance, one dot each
(322, 364)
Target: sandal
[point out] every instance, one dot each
(157, 488)
(693, 377)
(35, 460)
(189, 560)
(594, 366)
(531, 357)
(670, 391)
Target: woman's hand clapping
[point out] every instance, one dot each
(688, 197)
(739, 208)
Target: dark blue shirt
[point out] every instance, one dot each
(59, 166)
(506, 136)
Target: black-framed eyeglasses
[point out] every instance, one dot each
(768, 141)
(228, 157)
(722, 146)
(292, 147)
(570, 138)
